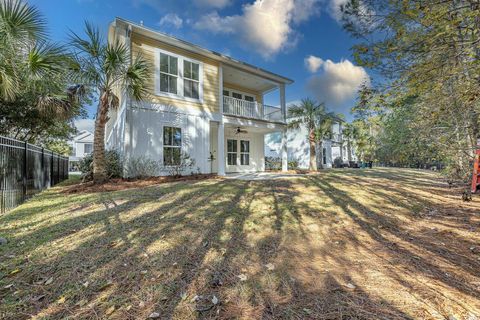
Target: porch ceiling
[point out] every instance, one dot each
(247, 80)
(252, 127)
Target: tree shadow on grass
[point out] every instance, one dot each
(369, 220)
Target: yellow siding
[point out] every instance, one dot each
(146, 47)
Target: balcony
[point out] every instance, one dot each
(252, 110)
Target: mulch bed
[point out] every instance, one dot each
(123, 184)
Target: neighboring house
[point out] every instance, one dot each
(202, 103)
(298, 148)
(81, 145)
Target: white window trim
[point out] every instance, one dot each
(232, 152)
(179, 95)
(242, 153)
(240, 92)
(169, 146)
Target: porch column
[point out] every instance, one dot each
(284, 150)
(221, 149)
(283, 105)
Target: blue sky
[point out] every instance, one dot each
(300, 39)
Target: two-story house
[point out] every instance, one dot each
(202, 103)
(298, 148)
(80, 146)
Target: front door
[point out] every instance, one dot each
(238, 155)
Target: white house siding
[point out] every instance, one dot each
(257, 155)
(146, 136)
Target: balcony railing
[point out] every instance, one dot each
(251, 109)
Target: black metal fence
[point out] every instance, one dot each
(26, 169)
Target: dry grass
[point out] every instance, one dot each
(344, 244)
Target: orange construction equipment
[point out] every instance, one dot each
(476, 170)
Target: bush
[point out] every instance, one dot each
(338, 162)
(185, 165)
(142, 167)
(293, 164)
(113, 163)
(273, 163)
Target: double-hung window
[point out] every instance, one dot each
(231, 152)
(191, 79)
(172, 145)
(244, 152)
(168, 73)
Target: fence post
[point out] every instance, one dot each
(51, 170)
(25, 169)
(58, 169)
(43, 168)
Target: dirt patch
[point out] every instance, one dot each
(124, 184)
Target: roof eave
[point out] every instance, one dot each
(205, 52)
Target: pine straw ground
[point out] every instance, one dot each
(341, 244)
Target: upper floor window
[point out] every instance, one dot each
(168, 73)
(178, 76)
(249, 98)
(191, 80)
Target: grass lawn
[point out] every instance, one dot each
(342, 244)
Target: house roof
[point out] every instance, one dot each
(83, 135)
(205, 52)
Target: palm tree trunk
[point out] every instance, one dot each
(99, 165)
(313, 157)
(349, 151)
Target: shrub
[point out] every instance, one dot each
(142, 167)
(114, 165)
(293, 164)
(338, 162)
(184, 166)
(273, 163)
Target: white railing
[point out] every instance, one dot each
(248, 109)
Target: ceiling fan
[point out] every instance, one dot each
(240, 130)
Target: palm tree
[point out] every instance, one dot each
(30, 66)
(107, 69)
(316, 119)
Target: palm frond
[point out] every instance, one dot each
(8, 82)
(93, 45)
(137, 78)
(44, 59)
(20, 22)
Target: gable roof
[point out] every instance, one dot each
(158, 35)
(83, 135)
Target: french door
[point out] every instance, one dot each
(238, 154)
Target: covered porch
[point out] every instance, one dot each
(238, 145)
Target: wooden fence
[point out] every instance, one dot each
(26, 169)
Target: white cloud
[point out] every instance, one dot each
(337, 82)
(313, 63)
(218, 4)
(334, 9)
(171, 19)
(84, 124)
(267, 26)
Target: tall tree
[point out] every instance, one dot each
(106, 69)
(428, 50)
(318, 121)
(35, 96)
